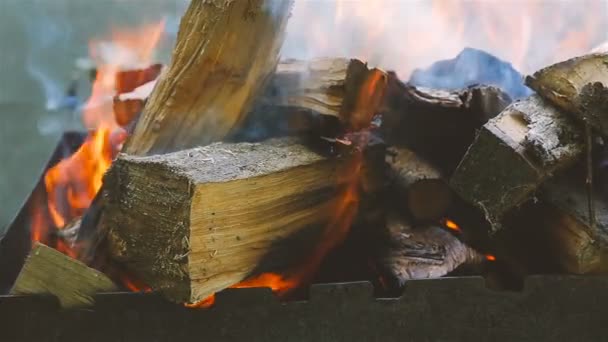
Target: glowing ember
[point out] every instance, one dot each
(203, 304)
(452, 225)
(72, 184)
(490, 257)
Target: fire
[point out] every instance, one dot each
(203, 304)
(451, 225)
(490, 257)
(72, 183)
(343, 212)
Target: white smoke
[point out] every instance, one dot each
(406, 34)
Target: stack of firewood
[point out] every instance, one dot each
(189, 208)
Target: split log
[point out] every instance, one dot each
(325, 86)
(194, 222)
(553, 233)
(577, 86)
(225, 52)
(328, 86)
(513, 154)
(575, 244)
(421, 252)
(438, 125)
(419, 185)
(48, 271)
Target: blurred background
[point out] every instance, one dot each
(45, 44)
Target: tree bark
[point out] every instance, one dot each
(513, 154)
(225, 52)
(577, 245)
(577, 86)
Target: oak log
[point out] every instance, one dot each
(194, 222)
(513, 154)
(225, 52)
(48, 271)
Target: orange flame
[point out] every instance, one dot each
(343, 212)
(203, 304)
(452, 225)
(490, 257)
(72, 184)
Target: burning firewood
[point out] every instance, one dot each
(438, 125)
(577, 86)
(420, 186)
(48, 271)
(421, 252)
(328, 86)
(193, 222)
(512, 154)
(225, 52)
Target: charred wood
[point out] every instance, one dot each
(438, 125)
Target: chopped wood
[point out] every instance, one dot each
(420, 185)
(577, 245)
(48, 271)
(328, 86)
(225, 52)
(421, 252)
(513, 154)
(194, 222)
(438, 125)
(577, 86)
